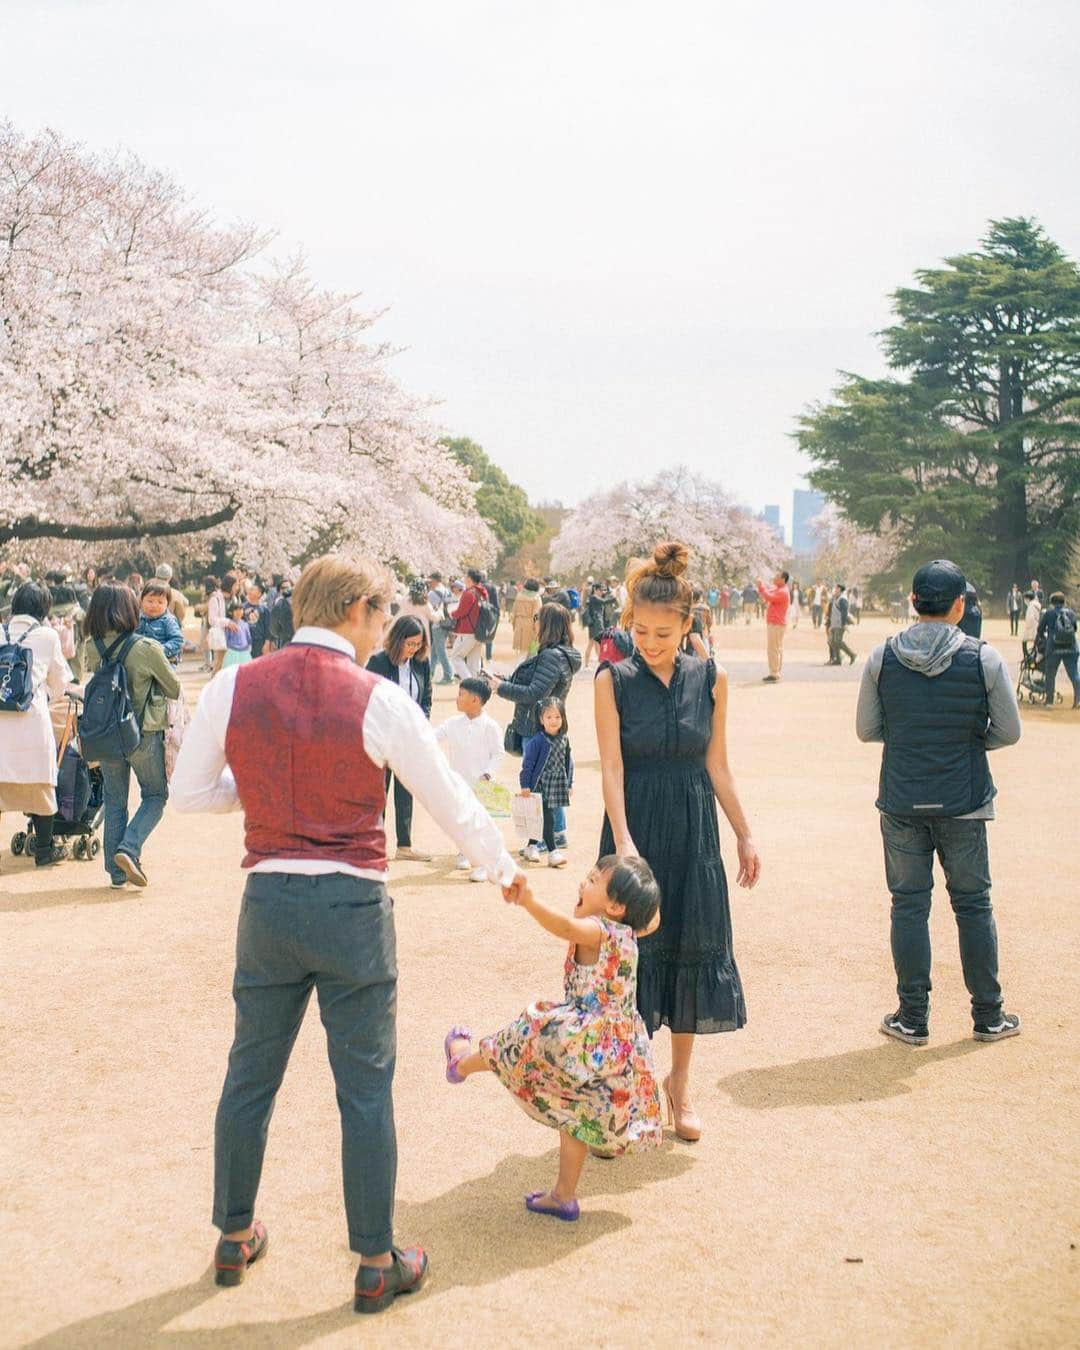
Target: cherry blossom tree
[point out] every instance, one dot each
(628, 520)
(158, 381)
(846, 553)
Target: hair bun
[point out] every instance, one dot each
(671, 559)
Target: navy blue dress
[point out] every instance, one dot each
(687, 977)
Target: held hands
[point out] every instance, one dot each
(749, 864)
(517, 893)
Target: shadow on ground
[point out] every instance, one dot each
(25, 902)
(444, 1225)
(870, 1075)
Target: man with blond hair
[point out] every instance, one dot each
(316, 913)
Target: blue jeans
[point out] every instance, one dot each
(910, 845)
(1068, 660)
(334, 934)
(439, 656)
(147, 762)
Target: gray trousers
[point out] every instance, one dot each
(333, 933)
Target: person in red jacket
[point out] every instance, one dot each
(467, 654)
(777, 598)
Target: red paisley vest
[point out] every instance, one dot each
(295, 746)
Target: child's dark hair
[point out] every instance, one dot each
(475, 685)
(235, 605)
(559, 705)
(155, 587)
(630, 883)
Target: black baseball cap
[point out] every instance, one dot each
(938, 583)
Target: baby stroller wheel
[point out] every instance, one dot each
(93, 847)
(18, 842)
(78, 849)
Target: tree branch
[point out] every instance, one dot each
(30, 527)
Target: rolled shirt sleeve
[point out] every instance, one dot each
(397, 734)
(202, 780)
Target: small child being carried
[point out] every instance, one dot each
(474, 745)
(582, 1066)
(158, 621)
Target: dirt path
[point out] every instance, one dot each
(848, 1190)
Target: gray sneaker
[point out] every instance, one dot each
(1009, 1025)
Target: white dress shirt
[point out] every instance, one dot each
(474, 744)
(395, 734)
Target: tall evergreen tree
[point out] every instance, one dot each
(976, 453)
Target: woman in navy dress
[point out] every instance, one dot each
(661, 720)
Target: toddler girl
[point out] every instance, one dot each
(547, 768)
(582, 1066)
(237, 636)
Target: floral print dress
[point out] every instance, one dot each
(585, 1065)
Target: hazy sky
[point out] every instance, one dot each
(612, 235)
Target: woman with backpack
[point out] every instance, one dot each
(546, 675)
(27, 744)
(151, 681)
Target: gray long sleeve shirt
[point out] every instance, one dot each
(928, 648)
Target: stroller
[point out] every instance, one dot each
(80, 797)
(1032, 682)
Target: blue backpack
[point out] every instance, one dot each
(108, 727)
(575, 597)
(16, 672)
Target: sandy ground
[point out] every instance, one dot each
(848, 1190)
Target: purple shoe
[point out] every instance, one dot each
(455, 1034)
(567, 1210)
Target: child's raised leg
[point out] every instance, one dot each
(460, 1061)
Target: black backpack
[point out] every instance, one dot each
(1065, 630)
(16, 672)
(487, 621)
(108, 727)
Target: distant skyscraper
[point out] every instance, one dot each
(771, 516)
(806, 504)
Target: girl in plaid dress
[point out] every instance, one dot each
(547, 769)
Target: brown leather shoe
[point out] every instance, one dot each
(377, 1286)
(231, 1259)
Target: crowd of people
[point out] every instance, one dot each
(334, 675)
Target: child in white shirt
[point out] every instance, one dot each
(474, 744)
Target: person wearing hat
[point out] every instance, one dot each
(939, 700)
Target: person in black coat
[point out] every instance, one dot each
(548, 674)
(404, 659)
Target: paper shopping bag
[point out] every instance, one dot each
(528, 813)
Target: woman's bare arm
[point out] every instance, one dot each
(611, 764)
(723, 783)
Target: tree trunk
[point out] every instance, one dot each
(1012, 562)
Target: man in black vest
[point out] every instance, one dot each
(939, 700)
